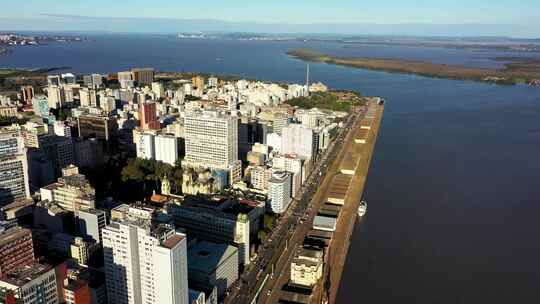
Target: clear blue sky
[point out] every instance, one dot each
(518, 12)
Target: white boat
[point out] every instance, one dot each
(362, 209)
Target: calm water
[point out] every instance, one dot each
(453, 189)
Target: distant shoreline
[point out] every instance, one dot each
(518, 71)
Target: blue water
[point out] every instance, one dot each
(453, 188)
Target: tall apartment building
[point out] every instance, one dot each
(298, 139)
(96, 126)
(31, 284)
(144, 143)
(211, 139)
(27, 94)
(293, 164)
(166, 147)
(87, 97)
(14, 182)
(143, 76)
(56, 97)
(16, 249)
(148, 116)
(198, 82)
(72, 192)
(158, 90)
(279, 191)
(126, 79)
(144, 263)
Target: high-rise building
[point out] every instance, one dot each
(61, 128)
(148, 116)
(87, 97)
(143, 76)
(96, 126)
(158, 90)
(56, 97)
(144, 263)
(166, 148)
(126, 79)
(281, 120)
(32, 283)
(16, 249)
(213, 82)
(279, 191)
(27, 93)
(298, 139)
(211, 139)
(91, 222)
(144, 142)
(14, 182)
(198, 82)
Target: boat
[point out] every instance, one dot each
(362, 209)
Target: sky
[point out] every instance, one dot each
(522, 15)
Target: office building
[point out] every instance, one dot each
(82, 250)
(219, 221)
(53, 80)
(211, 139)
(148, 116)
(144, 263)
(96, 126)
(16, 249)
(279, 191)
(143, 76)
(14, 182)
(212, 265)
(298, 139)
(281, 120)
(76, 292)
(32, 283)
(166, 148)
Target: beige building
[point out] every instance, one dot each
(307, 267)
(71, 192)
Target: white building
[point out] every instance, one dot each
(144, 263)
(87, 97)
(292, 164)
(14, 182)
(307, 267)
(61, 128)
(144, 142)
(273, 140)
(166, 148)
(158, 90)
(279, 191)
(298, 139)
(211, 139)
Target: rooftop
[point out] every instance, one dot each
(26, 274)
(172, 241)
(207, 256)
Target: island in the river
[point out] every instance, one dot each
(518, 70)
